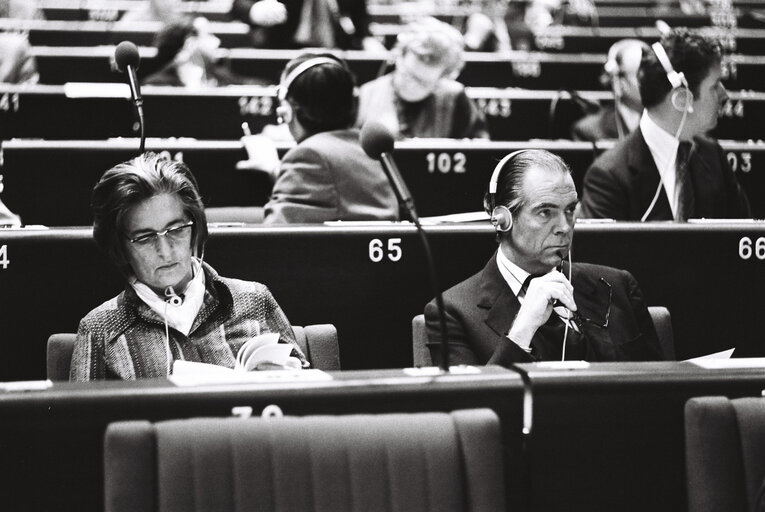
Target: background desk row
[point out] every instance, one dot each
(512, 114)
(371, 281)
(606, 438)
(625, 15)
(50, 182)
(530, 70)
(561, 38)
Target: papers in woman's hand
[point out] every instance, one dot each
(262, 352)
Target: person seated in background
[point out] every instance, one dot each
(326, 176)
(528, 303)
(498, 26)
(621, 118)
(342, 24)
(668, 169)
(420, 98)
(21, 9)
(149, 219)
(150, 10)
(186, 57)
(17, 64)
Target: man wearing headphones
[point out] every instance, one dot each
(327, 176)
(668, 169)
(528, 304)
(615, 121)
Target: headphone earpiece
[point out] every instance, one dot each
(284, 112)
(502, 218)
(676, 80)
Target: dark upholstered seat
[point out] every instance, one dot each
(420, 461)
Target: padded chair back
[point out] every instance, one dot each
(419, 461)
(318, 342)
(58, 358)
(725, 453)
(660, 316)
(662, 322)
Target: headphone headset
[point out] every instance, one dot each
(501, 216)
(677, 80)
(284, 111)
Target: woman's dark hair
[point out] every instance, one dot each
(126, 185)
(323, 96)
(690, 53)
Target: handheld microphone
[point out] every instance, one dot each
(377, 142)
(127, 59)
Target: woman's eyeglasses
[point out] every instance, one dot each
(174, 234)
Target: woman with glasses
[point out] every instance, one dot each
(149, 218)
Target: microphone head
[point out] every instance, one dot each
(376, 139)
(126, 54)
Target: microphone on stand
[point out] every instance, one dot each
(127, 59)
(377, 142)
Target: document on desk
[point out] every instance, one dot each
(722, 360)
(189, 373)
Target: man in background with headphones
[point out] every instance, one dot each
(528, 303)
(327, 176)
(668, 169)
(615, 121)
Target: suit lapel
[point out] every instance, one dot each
(497, 299)
(646, 176)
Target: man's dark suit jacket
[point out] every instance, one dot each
(281, 36)
(598, 126)
(480, 312)
(621, 183)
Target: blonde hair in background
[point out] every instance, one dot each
(434, 42)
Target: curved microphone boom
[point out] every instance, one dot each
(377, 142)
(127, 59)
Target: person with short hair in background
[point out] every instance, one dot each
(421, 97)
(327, 176)
(187, 57)
(342, 24)
(668, 169)
(149, 219)
(620, 74)
(529, 303)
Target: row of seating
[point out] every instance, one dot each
(592, 439)
(445, 177)
(529, 70)
(103, 112)
(454, 458)
(556, 38)
(375, 276)
(621, 14)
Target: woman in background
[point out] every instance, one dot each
(420, 98)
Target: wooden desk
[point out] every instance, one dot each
(444, 176)
(370, 281)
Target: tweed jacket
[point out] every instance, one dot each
(125, 339)
(480, 312)
(329, 177)
(622, 182)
